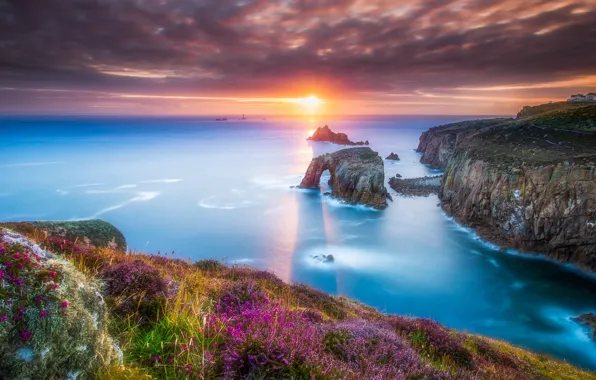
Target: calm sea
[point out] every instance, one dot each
(207, 189)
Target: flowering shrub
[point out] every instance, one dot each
(210, 265)
(373, 349)
(135, 288)
(51, 320)
(434, 340)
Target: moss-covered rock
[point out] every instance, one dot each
(53, 320)
(98, 233)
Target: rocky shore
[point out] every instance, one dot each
(325, 134)
(357, 176)
(522, 183)
(416, 187)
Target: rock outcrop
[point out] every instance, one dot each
(393, 157)
(417, 187)
(97, 233)
(588, 320)
(54, 321)
(327, 135)
(520, 185)
(357, 176)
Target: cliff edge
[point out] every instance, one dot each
(526, 183)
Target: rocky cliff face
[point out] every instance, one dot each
(547, 209)
(520, 185)
(437, 145)
(357, 176)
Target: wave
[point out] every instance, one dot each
(24, 164)
(220, 203)
(144, 196)
(164, 180)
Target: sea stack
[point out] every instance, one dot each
(392, 157)
(357, 176)
(327, 135)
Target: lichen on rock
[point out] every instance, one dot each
(357, 176)
(50, 325)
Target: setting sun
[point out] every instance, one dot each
(310, 104)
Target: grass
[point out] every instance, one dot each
(235, 322)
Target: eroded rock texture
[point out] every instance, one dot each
(357, 176)
(521, 184)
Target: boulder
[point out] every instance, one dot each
(53, 320)
(357, 176)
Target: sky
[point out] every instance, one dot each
(264, 57)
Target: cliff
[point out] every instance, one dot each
(357, 176)
(325, 134)
(231, 323)
(522, 183)
(437, 145)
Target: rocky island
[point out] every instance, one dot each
(325, 134)
(528, 183)
(357, 176)
(392, 157)
(75, 310)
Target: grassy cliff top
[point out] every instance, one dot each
(178, 320)
(542, 135)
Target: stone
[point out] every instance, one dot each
(326, 134)
(588, 320)
(392, 157)
(357, 176)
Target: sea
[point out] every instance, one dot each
(197, 188)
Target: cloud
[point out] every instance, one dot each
(213, 48)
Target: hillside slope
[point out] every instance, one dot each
(178, 320)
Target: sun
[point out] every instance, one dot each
(310, 104)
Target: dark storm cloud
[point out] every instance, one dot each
(220, 45)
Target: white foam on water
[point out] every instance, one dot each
(353, 258)
(131, 186)
(143, 196)
(164, 180)
(231, 201)
(111, 191)
(334, 202)
(85, 185)
(24, 164)
(62, 192)
(494, 263)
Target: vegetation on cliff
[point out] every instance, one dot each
(527, 183)
(208, 320)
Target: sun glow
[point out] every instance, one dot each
(310, 104)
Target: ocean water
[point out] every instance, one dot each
(207, 189)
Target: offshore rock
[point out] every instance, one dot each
(326, 134)
(393, 157)
(357, 176)
(416, 187)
